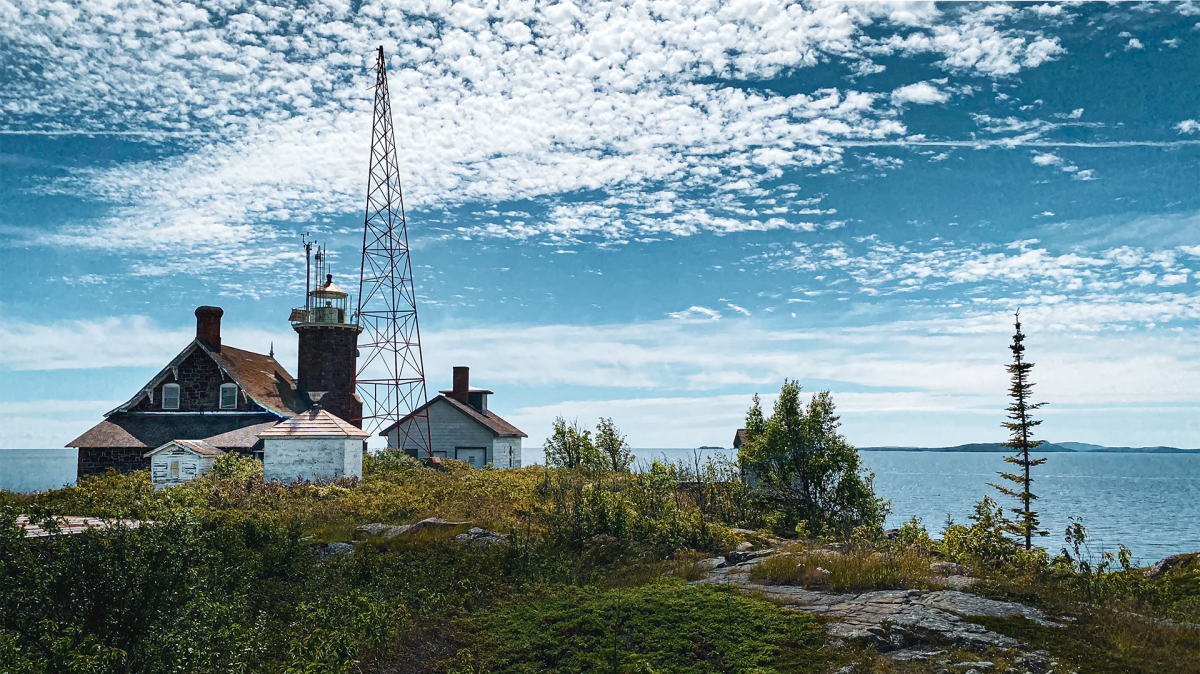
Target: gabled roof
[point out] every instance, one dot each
(153, 430)
(198, 446)
(739, 438)
(315, 423)
(490, 421)
(261, 377)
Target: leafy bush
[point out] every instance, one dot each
(805, 470)
(984, 543)
(644, 508)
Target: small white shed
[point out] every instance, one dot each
(178, 461)
(313, 445)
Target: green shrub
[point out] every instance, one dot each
(805, 470)
(662, 627)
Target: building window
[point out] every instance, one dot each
(229, 396)
(170, 396)
(174, 470)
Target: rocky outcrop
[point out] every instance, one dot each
(1172, 563)
(891, 620)
(389, 531)
(330, 550)
(477, 537)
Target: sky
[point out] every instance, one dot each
(648, 211)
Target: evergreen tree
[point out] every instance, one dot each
(1020, 426)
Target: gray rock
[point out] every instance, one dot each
(985, 666)
(836, 547)
(972, 671)
(913, 654)
(711, 563)
(948, 569)
(960, 582)
(899, 617)
(1171, 563)
(330, 550)
(744, 546)
(477, 537)
(368, 530)
(740, 557)
(848, 669)
(392, 532)
(431, 523)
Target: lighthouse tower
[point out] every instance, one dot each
(328, 349)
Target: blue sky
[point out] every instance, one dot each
(644, 210)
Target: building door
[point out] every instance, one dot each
(472, 455)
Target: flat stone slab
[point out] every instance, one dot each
(873, 617)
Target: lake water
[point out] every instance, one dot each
(28, 470)
(1149, 502)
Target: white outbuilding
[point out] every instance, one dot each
(463, 428)
(313, 445)
(178, 461)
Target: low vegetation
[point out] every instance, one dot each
(231, 574)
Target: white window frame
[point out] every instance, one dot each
(221, 402)
(166, 396)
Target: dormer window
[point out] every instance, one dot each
(229, 396)
(170, 397)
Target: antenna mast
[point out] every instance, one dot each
(391, 373)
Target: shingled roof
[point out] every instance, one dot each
(149, 431)
(490, 421)
(261, 377)
(198, 446)
(315, 423)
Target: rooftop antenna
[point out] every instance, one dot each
(307, 267)
(391, 371)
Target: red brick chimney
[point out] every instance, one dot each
(462, 385)
(208, 326)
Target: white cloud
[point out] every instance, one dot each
(1188, 126)
(921, 93)
(1046, 159)
(696, 313)
(597, 98)
(1134, 43)
(738, 309)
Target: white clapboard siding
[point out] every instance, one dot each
(454, 432)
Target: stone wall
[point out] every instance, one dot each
(199, 388)
(328, 357)
(95, 460)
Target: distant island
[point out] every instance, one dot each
(1048, 447)
(709, 447)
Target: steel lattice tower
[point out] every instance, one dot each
(387, 302)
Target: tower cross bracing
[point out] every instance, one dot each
(391, 374)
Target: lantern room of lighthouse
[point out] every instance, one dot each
(328, 343)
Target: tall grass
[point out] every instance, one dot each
(859, 569)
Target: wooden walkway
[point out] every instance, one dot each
(70, 525)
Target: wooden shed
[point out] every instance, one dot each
(178, 461)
